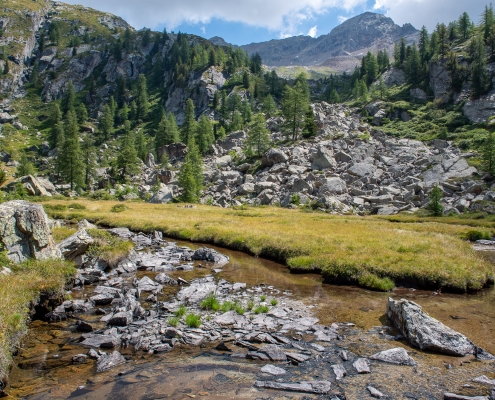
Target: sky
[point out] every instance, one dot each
(249, 21)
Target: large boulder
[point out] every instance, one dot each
(427, 333)
(272, 157)
(211, 255)
(323, 159)
(34, 186)
(25, 232)
(76, 244)
(174, 152)
(163, 196)
(332, 186)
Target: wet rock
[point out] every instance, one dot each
(315, 387)
(273, 370)
(343, 355)
(146, 284)
(426, 332)
(76, 244)
(223, 347)
(102, 299)
(25, 232)
(362, 366)
(164, 279)
(82, 326)
(339, 371)
(196, 292)
(375, 392)
(274, 352)
(109, 361)
(101, 341)
(297, 357)
(207, 254)
(325, 336)
(123, 318)
(92, 353)
(394, 356)
(79, 359)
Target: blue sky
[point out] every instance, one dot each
(247, 21)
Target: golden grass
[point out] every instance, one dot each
(62, 232)
(19, 291)
(344, 248)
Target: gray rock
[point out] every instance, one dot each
(362, 366)
(378, 118)
(84, 224)
(25, 232)
(102, 299)
(101, 341)
(451, 396)
(163, 196)
(362, 169)
(426, 332)
(323, 159)
(123, 318)
(483, 380)
(316, 387)
(339, 371)
(146, 284)
(79, 359)
(394, 356)
(375, 392)
(76, 244)
(109, 361)
(196, 292)
(274, 352)
(273, 370)
(272, 157)
(332, 186)
(211, 255)
(164, 279)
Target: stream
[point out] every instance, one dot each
(43, 368)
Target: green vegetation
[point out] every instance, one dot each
(425, 250)
(239, 309)
(21, 290)
(475, 235)
(261, 310)
(210, 303)
(227, 306)
(119, 208)
(435, 206)
(62, 233)
(107, 247)
(193, 320)
(250, 305)
(273, 302)
(263, 298)
(181, 311)
(173, 321)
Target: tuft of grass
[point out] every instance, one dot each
(262, 298)
(239, 309)
(62, 232)
(374, 282)
(181, 311)
(76, 206)
(273, 302)
(227, 306)
(250, 305)
(475, 235)
(261, 310)
(107, 247)
(173, 321)
(210, 303)
(193, 320)
(428, 252)
(118, 208)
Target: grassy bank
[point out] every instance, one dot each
(19, 292)
(372, 252)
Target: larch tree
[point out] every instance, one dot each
(190, 125)
(71, 165)
(294, 107)
(258, 137)
(142, 103)
(105, 123)
(191, 174)
(204, 134)
(127, 158)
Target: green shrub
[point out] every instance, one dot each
(119, 208)
(210, 303)
(227, 306)
(173, 321)
(193, 320)
(250, 305)
(273, 302)
(371, 281)
(181, 311)
(76, 206)
(475, 235)
(239, 309)
(3, 176)
(55, 207)
(261, 310)
(262, 297)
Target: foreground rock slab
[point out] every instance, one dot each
(316, 387)
(109, 361)
(76, 244)
(427, 333)
(25, 232)
(394, 356)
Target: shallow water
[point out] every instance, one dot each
(43, 369)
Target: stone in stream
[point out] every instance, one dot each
(452, 396)
(375, 392)
(76, 244)
(164, 279)
(82, 326)
(122, 318)
(274, 352)
(223, 347)
(394, 356)
(79, 359)
(273, 370)
(92, 353)
(101, 341)
(427, 333)
(207, 254)
(315, 387)
(339, 371)
(109, 361)
(362, 366)
(325, 336)
(102, 299)
(197, 291)
(146, 284)
(343, 355)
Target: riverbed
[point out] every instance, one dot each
(43, 369)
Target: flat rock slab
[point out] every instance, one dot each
(451, 396)
(146, 284)
(196, 292)
(397, 356)
(375, 392)
(339, 371)
(101, 341)
(164, 279)
(109, 361)
(273, 370)
(325, 336)
(485, 381)
(123, 318)
(277, 313)
(102, 299)
(274, 352)
(315, 387)
(297, 357)
(362, 366)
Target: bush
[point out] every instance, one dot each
(239, 309)
(263, 298)
(173, 321)
(273, 302)
(55, 207)
(117, 208)
(210, 303)
(227, 306)
(76, 206)
(261, 310)
(3, 176)
(250, 305)
(181, 311)
(475, 235)
(193, 320)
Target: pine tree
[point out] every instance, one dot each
(105, 123)
(382, 88)
(204, 135)
(246, 82)
(247, 113)
(488, 155)
(443, 45)
(464, 25)
(142, 99)
(413, 67)
(479, 76)
(488, 20)
(435, 206)
(127, 158)
(82, 114)
(310, 128)
(224, 112)
(141, 145)
(189, 127)
(334, 97)
(25, 167)
(89, 159)
(237, 122)
(424, 45)
(269, 106)
(57, 130)
(191, 174)
(256, 92)
(258, 137)
(215, 101)
(71, 165)
(33, 79)
(294, 107)
(69, 100)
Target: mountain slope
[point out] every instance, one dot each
(341, 48)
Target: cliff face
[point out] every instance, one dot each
(357, 35)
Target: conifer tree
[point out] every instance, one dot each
(215, 101)
(258, 137)
(413, 67)
(479, 76)
(464, 25)
(191, 174)
(269, 106)
(488, 155)
(69, 100)
(82, 114)
(25, 167)
(89, 159)
(127, 158)
(443, 45)
(142, 99)
(294, 107)
(204, 135)
(105, 125)
(334, 97)
(189, 127)
(237, 122)
(220, 133)
(488, 20)
(435, 206)
(424, 45)
(310, 128)
(247, 113)
(224, 108)
(256, 92)
(57, 129)
(246, 82)
(71, 165)
(141, 145)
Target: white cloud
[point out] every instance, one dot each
(342, 19)
(429, 12)
(313, 31)
(278, 15)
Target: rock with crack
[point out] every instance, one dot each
(109, 361)
(452, 396)
(273, 370)
(315, 387)
(397, 356)
(362, 366)
(427, 333)
(76, 244)
(274, 352)
(146, 284)
(25, 232)
(339, 371)
(164, 279)
(211, 255)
